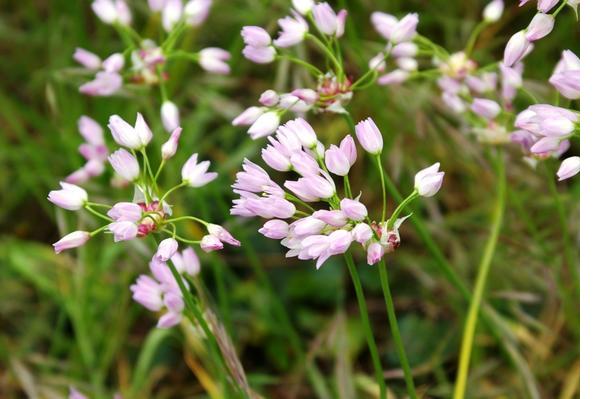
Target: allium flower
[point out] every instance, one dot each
(125, 211)
(222, 234)
(394, 30)
(493, 11)
(196, 11)
(303, 6)
(71, 197)
(327, 21)
(125, 164)
(172, 13)
(275, 229)
(129, 136)
(166, 249)
(94, 150)
(546, 5)
(369, 136)
(124, 230)
(566, 76)
(293, 30)
(353, 209)
(375, 253)
(540, 26)
(112, 11)
(195, 174)
(568, 168)
(485, 108)
(397, 76)
(104, 84)
(256, 36)
(213, 59)
(516, 48)
(265, 125)
(211, 243)
(429, 180)
(186, 261)
(71, 240)
(169, 115)
(260, 55)
(248, 117)
(88, 59)
(169, 148)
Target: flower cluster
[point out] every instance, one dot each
(311, 233)
(147, 214)
(94, 150)
(399, 34)
(144, 62)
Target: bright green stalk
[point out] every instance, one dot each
(473, 37)
(383, 191)
(389, 305)
(484, 268)
(364, 315)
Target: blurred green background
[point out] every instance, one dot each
(69, 320)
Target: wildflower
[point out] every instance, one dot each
(493, 11)
(104, 84)
(248, 117)
(516, 48)
(275, 229)
(88, 59)
(169, 114)
(375, 253)
(568, 168)
(429, 180)
(327, 21)
(213, 59)
(71, 240)
(485, 108)
(112, 11)
(70, 197)
(186, 261)
(169, 148)
(369, 136)
(540, 26)
(353, 209)
(195, 174)
(222, 234)
(132, 137)
(196, 11)
(211, 243)
(264, 125)
(125, 164)
(303, 6)
(546, 5)
(394, 30)
(293, 31)
(566, 76)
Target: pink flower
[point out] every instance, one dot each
(516, 48)
(169, 148)
(222, 234)
(303, 6)
(70, 197)
(104, 84)
(269, 98)
(260, 55)
(369, 136)
(114, 63)
(123, 231)
(255, 36)
(214, 60)
(325, 18)
(312, 188)
(90, 130)
(166, 249)
(171, 14)
(276, 159)
(429, 180)
(546, 5)
(71, 240)
(132, 137)
(195, 174)
(307, 226)
(336, 161)
(375, 253)
(397, 76)
(362, 233)
(210, 243)
(334, 217)
(186, 261)
(196, 11)
(148, 293)
(112, 11)
(493, 11)
(265, 125)
(566, 76)
(88, 59)
(169, 115)
(485, 108)
(125, 211)
(293, 30)
(275, 229)
(568, 168)
(302, 130)
(353, 209)
(540, 26)
(124, 164)
(248, 117)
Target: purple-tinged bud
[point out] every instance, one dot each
(166, 249)
(429, 180)
(493, 11)
(104, 84)
(341, 23)
(125, 212)
(265, 125)
(325, 18)
(147, 292)
(349, 149)
(255, 36)
(404, 50)
(210, 243)
(384, 23)
(196, 11)
(71, 240)
(171, 14)
(156, 5)
(339, 242)
(354, 209)
(369, 136)
(566, 76)
(407, 64)
(336, 161)
(568, 168)
(169, 148)
(260, 55)
(222, 234)
(485, 108)
(94, 167)
(516, 48)
(362, 233)
(275, 229)
(124, 164)
(248, 117)
(303, 6)
(214, 60)
(79, 176)
(275, 159)
(70, 197)
(545, 145)
(375, 253)
(106, 10)
(168, 320)
(307, 226)
(269, 98)
(191, 261)
(309, 96)
(377, 63)
(127, 135)
(88, 59)
(195, 174)
(397, 76)
(169, 114)
(123, 231)
(540, 26)
(335, 218)
(546, 5)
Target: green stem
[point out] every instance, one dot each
(400, 207)
(484, 268)
(562, 5)
(389, 305)
(383, 190)
(364, 315)
(182, 184)
(195, 219)
(312, 69)
(95, 212)
(347, 187)
(327, 52)
(473, 37)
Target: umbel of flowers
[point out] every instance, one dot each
(147, 214)
(143, 61)
(332, 88)
(314, 216)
